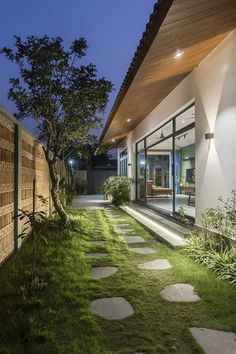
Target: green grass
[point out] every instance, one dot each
(59, 319)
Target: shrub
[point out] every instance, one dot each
(205, 252)
(67, 196)
(119, 188)
(214, 244)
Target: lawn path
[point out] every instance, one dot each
(152, 299)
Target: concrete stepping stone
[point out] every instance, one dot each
(114, 308)
(97, 242)
(124, 231)
(117, 220)
(116, 225)
(96, 254)
(103, 272)
(134, 239)
(143, 250)
(180, 293)
(160, 264)
(215, 342)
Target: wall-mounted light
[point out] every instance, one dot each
(209, 136)
(178, 54)
(113, 140)
(129, 164)
(128, 120)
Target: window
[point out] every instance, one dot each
(123, 163)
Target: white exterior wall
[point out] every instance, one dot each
(212, 85)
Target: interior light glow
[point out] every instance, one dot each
(128, 120)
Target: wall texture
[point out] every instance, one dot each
(21, 160)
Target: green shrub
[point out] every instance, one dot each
(214, 244)
(119, 188)
(67, 197)
(205, 252)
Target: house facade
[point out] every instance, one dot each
(174, 119)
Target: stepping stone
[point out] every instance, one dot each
(117, 220)
(215, 342)
(97, 242)
(113, 308)
(96, 254)
(134, 239)
(103, 272)
(157, 264)
(124, 231)
(180, 293)
(143, 250)
(115, 225)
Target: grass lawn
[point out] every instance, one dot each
(59, 320)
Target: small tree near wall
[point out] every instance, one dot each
(64, 98)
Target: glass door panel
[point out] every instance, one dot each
(159, 176)
(185, 172)
(141, 171)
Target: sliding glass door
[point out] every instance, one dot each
(141, 172)
(165, 166)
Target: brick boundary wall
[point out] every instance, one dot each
(21, 160)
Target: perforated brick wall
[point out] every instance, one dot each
(31, 165)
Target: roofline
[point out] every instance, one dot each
(156, 19)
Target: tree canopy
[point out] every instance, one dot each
(63, 95)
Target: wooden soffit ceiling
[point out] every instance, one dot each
(196, 27)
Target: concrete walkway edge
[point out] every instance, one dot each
(163, 233)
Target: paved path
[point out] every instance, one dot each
(90, 201)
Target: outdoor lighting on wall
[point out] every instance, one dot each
(71, 162)
(128, 120)
(209, 136)
(181, 136)
(178, 54)
(113, 140)
(129, 164)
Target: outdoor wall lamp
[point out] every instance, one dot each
(209, 136)
(129, 164)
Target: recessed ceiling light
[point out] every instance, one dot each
(178, 54)
(128, 120)
(183, 121)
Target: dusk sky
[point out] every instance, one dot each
(112, 28)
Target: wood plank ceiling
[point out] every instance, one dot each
(195, 27)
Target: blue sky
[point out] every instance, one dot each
(112, 28)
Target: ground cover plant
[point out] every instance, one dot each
(59, 320)
(214, 244)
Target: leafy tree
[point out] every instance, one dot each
(90, 148)
(64, 98)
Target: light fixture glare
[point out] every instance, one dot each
(178, 54)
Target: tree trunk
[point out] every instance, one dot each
(55, 192)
